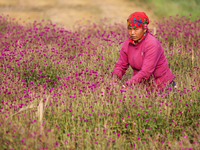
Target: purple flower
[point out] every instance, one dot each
(65, 141)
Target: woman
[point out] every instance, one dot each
(143, 52)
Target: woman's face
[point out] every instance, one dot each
(136, 33)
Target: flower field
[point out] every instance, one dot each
(56, 90)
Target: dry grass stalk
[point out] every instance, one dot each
(46, 101)
(40, 111)
(154, 31)
(23, 109)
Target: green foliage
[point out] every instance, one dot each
(46, 74)
(172, 7)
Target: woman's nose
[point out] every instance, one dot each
(132, 31)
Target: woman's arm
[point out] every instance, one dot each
(122, 64)
(151, 58)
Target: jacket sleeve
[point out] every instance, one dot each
(122, 64)
(151, 58)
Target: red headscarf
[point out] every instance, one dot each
(138, 20)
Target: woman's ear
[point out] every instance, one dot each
(145, 30)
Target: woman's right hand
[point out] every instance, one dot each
(114, 78)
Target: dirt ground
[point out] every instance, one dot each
(68, 12)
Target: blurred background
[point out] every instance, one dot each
(71, 12)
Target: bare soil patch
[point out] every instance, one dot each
(68, 12)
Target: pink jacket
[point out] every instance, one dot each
(146, 58)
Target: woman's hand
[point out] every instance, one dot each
(114, 78)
